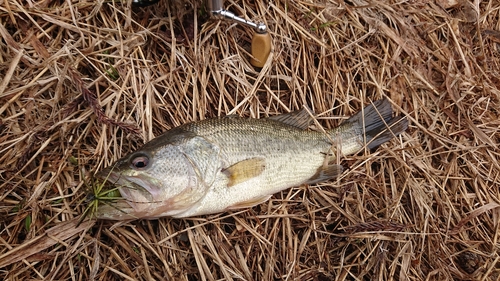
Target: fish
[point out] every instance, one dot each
(223, 164)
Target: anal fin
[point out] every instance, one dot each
(250, 203)
(326, 172)
(244, 170)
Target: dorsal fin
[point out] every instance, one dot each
(300, 119)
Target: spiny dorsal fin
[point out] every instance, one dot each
(300, 119)
(244, 170)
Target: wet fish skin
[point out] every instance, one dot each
(221, 164)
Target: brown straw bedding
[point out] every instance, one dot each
(85, 82)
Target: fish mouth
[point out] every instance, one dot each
(134, 187)
(142, 197)
(119, 210)
(126, 183)
(135, 193)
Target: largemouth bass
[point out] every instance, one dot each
(229, 163)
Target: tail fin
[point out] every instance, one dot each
(379, 125)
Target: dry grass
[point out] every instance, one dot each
(87, 82)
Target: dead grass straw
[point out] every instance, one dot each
(85, 82)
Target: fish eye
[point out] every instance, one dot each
(140, 162)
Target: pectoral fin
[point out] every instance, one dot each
(250, 203)
(325, 173)
(244, 170)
